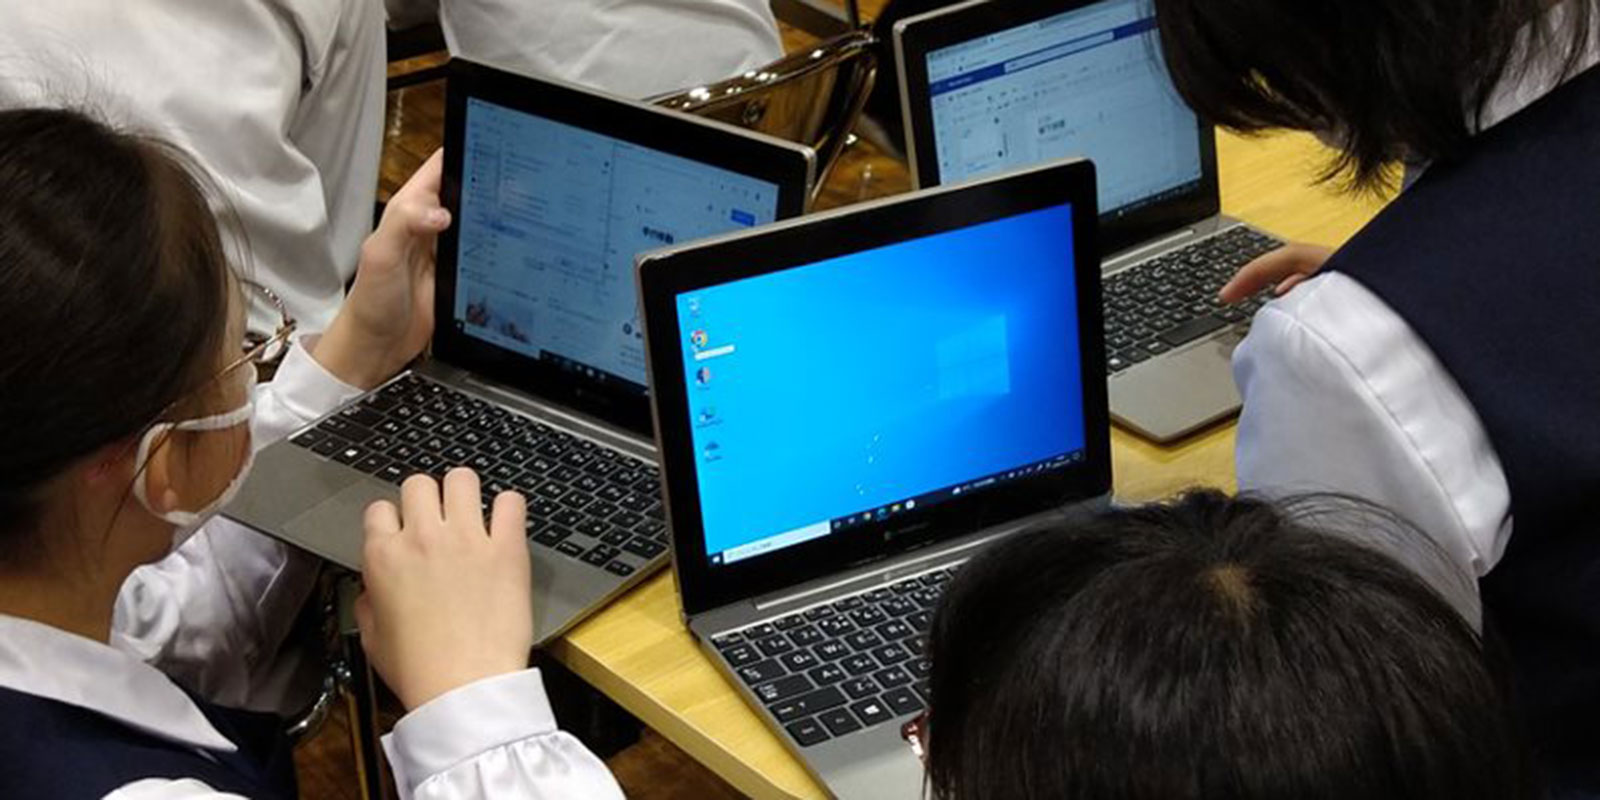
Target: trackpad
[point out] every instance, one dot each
(1179, 393)
(333, 528)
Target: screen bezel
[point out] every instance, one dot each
(789, 166)
(918, 36)
(665, 275)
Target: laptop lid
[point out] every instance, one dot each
(851, 386)
(554, 189)
(989, 86)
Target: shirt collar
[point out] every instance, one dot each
(50, 663)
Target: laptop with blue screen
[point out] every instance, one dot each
(993, 85)
(537, 375)
(848, 406)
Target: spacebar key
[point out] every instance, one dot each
(1191, 330)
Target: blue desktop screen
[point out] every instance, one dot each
(551, 219)
(846, 389)
(1087, 82)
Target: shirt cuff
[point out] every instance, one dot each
(463, 723)
(304, 387)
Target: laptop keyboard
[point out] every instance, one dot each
(841, 667)
(1171, 300)
(586, 501)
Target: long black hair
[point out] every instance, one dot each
(1391, 80)
(113, 297)
(1211, 648)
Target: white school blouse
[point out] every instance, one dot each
(213, 615)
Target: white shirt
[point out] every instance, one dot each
(214, 614)
(633, 48)
(1340, 395)
(280, 100)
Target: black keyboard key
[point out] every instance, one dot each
(639, 504)
(894, 630)
(567, 517)
(906, 587)
(741, 655)
(619, 568)
(372, 465)
(903, 701)
(775, 645)
(839, 721)
(565, 475)
(807, 732)
(309, 438)
(805, 637)
(926, 598)
(621, 519)
(799, 660)
(858, 664)
(814, 614)
(644, 548)
(600, 555)
(831, 650)
(858, 688)
(329, 445)
(788, 623)
(594, 528)
(826, 675)
(848, 603)
(569, 549)
(551, 535)
(918, 667)
(616, 536)
(727, 640)
(350, 454)
(808, 704)
(897, 606)
(761, 671)
(393, 473)
(890, 654)
(892, 677)
(761, 631)
(872, 711)
(863, 640)
(835, 627)
(920, 620)
(868, 616)
(1192, 330)
(783, 688)
(426, 462)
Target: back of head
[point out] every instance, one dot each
(1210, 648)
(113, 297)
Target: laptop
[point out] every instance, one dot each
(537, 375)
(988, 86)
(849, 406)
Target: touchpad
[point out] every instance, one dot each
(333, 528)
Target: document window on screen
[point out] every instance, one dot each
(552, 217)
(1088, 82)
(849, 390)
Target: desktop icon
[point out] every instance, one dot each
(708, 415)
(702, 376)
(694, 306)
(699, 339)
(713, 451)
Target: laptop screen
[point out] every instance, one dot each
(551, 218)
(849, 390)
(1087, 82)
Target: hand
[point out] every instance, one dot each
(446, 602)
(1282, 269)
(388, 316)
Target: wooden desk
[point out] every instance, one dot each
(638, 652)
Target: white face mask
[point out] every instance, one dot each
(188, 522)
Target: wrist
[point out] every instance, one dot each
(359, 360)
(429, 688)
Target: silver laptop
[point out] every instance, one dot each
(989, 85)
(537, 375)
(848, 407)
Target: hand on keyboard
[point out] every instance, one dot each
(1282, 269)
(447, 601)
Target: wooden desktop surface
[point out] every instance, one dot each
(637, 650)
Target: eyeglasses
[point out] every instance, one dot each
(915, 733)
(265, 350)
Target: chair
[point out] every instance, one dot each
(814, 97)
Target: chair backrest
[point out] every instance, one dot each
(813, 97)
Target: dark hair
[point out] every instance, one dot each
(113, 297)
(1210, 648)
(1392, 80)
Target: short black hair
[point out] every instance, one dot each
(1392, 81)
(1211, 648)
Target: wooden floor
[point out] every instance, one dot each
(653, 768)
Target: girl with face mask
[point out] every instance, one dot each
(140, 633)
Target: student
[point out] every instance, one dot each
(1210, 648)
(133, 624)
(281, 100)
(1443, 362)
(633, 48)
